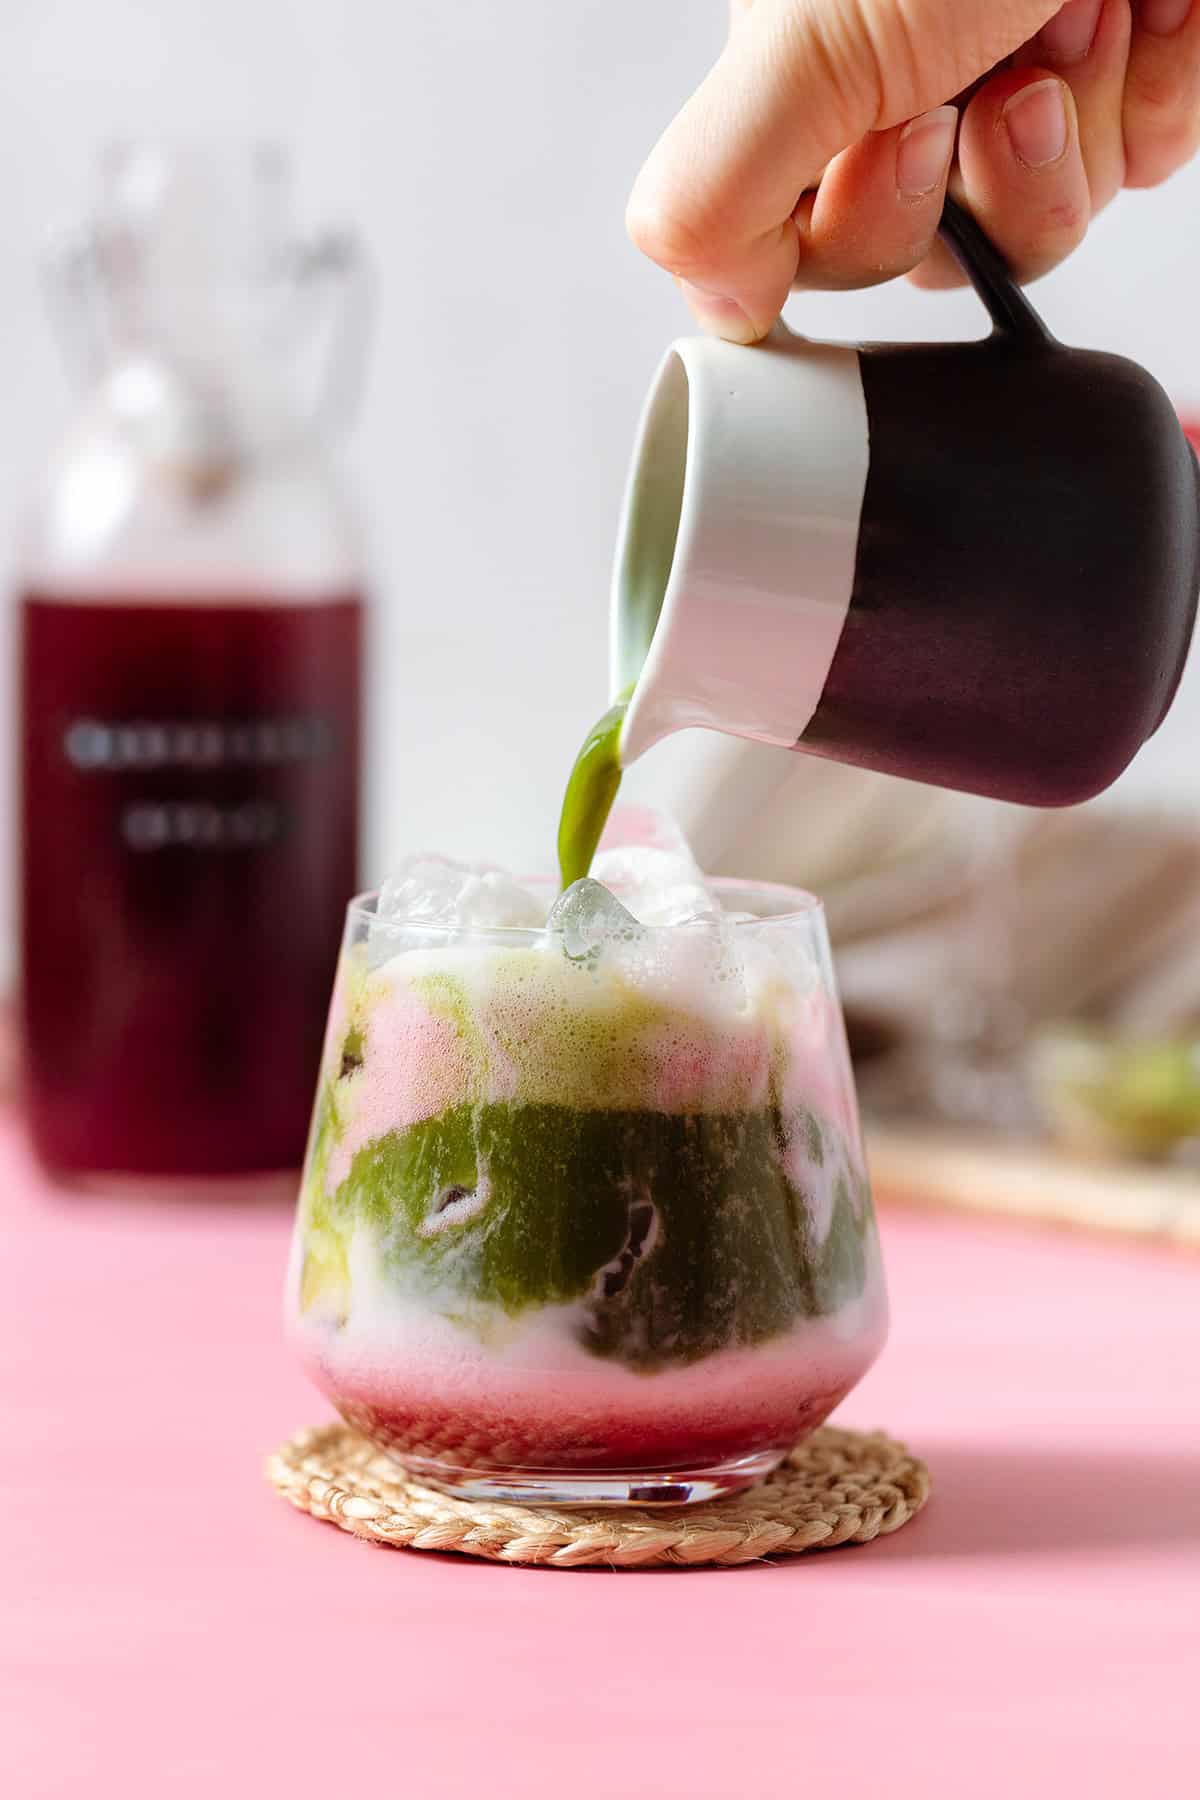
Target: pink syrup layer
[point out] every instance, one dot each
(417, 1064)
(475, 1407)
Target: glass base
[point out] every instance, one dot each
(552, 1487)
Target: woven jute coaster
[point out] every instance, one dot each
(838, 1487)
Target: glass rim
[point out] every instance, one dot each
(803, 907)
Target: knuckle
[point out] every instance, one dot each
(1066, 222)
(669, 234)
(839, 41)
(1059, 230)
(1155, 92)
(884, 63)
(875, 65)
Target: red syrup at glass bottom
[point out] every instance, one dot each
(548, 1436)
(189, 839)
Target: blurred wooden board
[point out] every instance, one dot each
(976, 1173)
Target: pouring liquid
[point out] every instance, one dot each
(591, 789)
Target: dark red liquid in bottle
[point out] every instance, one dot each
(189, 817)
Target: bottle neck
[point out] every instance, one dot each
(185, 352)
(209, 398)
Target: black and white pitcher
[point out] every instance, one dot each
(971, 564)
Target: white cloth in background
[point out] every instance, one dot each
(1090, 913)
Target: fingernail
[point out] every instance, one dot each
(1163, 17)
(1036, 118)
(723, 318)
(924, 151)
(1069, 35)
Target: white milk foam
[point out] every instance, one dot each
(396, 1344)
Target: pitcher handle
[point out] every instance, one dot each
(986, 270)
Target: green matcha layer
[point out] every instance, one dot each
(675, 1234)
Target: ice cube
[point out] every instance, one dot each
(435, 890)
(422, 887)
(590, 920)
(660, 887)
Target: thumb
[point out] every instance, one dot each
(798, 82)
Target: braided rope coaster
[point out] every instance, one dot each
(838, 1487)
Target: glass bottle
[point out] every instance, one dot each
(191, 598)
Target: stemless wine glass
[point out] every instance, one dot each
(585, 1215)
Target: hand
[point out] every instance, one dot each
(817, 152)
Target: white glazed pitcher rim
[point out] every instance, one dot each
(737, 540)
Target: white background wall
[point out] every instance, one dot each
(485, 151)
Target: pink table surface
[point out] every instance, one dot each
(170, 1628)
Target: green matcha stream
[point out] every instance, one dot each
(591, 790)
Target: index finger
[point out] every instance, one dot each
(798, 82)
